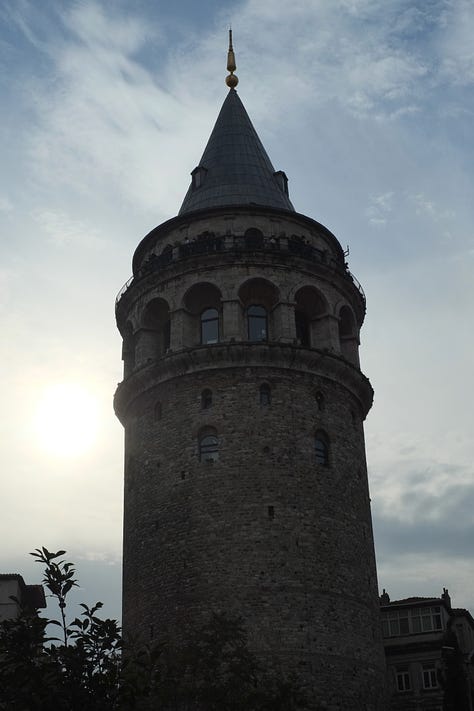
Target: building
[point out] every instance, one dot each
(243, 405)
(28, 597)
(429, 646)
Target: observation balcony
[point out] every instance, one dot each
(209, 244)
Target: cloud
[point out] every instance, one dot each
(63, 230)
(379, 208)
(456, 48)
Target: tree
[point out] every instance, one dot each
(88, 667)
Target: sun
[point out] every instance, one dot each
(66, 420)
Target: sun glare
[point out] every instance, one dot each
(66, 420)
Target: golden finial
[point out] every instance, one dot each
(231, 80)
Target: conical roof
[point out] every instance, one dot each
(235, 168)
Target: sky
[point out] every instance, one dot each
(367, 105)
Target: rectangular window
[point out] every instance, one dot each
(400, 622)
(430, 680)
(403, 678)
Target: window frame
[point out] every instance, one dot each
(253, 319)
(208, 448)
(429, 675)
(205, 321)
(321, 448)
(303, 328)
(265, 395)
(403, 679)
(418, 620)
(206, 399)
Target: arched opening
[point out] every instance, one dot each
(321, 448)
(206, 399)
(254, 238)
(265, 395)
(154, 336)
(208, 445)
(311, 322)
(202, 314)
(348, 336)
(258, 298)
(319, 397)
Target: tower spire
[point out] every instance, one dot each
(231, 80)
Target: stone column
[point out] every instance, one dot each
(283, 317)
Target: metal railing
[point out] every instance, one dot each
(284, 246)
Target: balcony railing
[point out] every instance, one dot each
(209, 244)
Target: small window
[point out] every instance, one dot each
(158, 411)
(403, 678)
(321, 448)
(430, 680)
(265, 395)
(206, 399)
(257, 323)
(254, 238)
(210, 326)
(319, 397)
(208, 448)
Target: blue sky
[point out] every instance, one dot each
(368, 107)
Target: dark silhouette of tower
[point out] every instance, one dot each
(243, 405)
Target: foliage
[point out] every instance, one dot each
(213, 670)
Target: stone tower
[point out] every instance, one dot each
(243, 405)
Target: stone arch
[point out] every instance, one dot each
(257, 297)
(202, 314)
(348, 335)
(153, 336)
(312, 319)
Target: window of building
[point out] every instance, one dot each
(210, 326)
(430, 680)
(302, 328)
(257, 323)
(426, 619)
(254, 238)
(411, 621)
(206, 399)
(265, 395)
(321, 448)
(319, 397)
(402, 676)
(208, 448)
(158, 411)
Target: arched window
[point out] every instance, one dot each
(321, 448)
(257, 323)
(254, 238)
(208, 448)
(319, 397)
(302, 328)
(210, 326)
(265, 395)
(206, 399)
